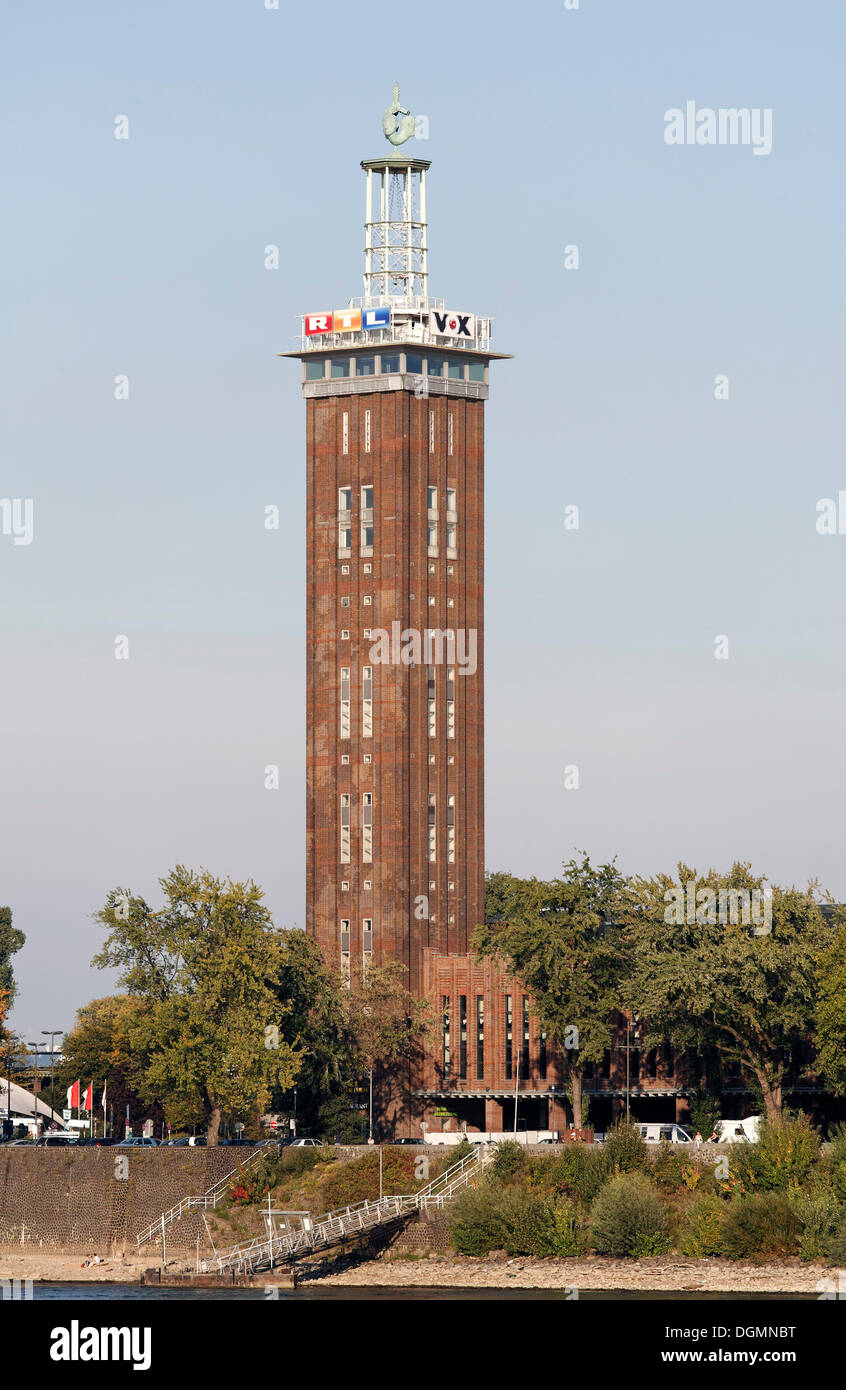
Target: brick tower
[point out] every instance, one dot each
(395, 386)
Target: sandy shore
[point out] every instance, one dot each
(668, 1274)
(50, 1266)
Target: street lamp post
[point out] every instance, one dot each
(52, 1033)
(628, 1056)
(36, 1087)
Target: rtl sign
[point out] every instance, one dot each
(347, 321)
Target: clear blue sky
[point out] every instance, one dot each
(146, 257)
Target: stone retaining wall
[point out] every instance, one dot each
(71, 1199)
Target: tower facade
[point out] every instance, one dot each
(395, 386)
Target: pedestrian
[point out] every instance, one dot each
(698, 1140)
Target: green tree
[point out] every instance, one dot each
(561, 941)
(746, 990)
(206, 968)
(315, 1023)
(384, 1023)
(11, 941)
(830, 1012)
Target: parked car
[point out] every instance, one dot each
(197, 1141)
(58, 1141)
(305, 1143)
(240, 1143)
(408, 1141)
(136, 1141)
(669, 1134)
(98, 1143)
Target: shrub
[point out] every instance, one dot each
(702, 1229)
(760, 1225)
(781, 1161)
(537, 1224)
(836, 1250)
(676, 1170)
(625, 1147)
(836, 1160)
(508, 1161)
(629, 1218)
(519, 1220)
(579, 1171)
(476, 1221)
(820, 1213)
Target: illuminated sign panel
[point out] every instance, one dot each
(452, 324)
(347, 321)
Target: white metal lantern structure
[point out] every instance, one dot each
(395, 248)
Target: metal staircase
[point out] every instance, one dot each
(347, 1222)
(207, 1201)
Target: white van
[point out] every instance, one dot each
(670, 1134)
(739, 1131)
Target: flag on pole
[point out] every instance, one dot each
(103, 1098)
(73, 1096)
(88, 1097)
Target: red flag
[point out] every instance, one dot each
(88, 1098)
(73, 1096)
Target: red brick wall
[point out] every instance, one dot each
(400, 777)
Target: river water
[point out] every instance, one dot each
(341, 1293)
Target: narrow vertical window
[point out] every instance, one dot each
(462, 1037)
(367, 431)
(509, 1038)
(524, 1060)
(367, 519)
(450, 829)
(450, 702)
(451, 523)
(447, 1039)
(480, 1037)
(449, 427)
(431, 708)
(432, 520)
(345, 702)
(367, 828)
(433, 831)
(367, 702)
(345, 433)
(345, 827)
(431, 431)
(344, 522)
(367, 941)
(542, 1055)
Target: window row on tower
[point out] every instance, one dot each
(366, 527)
(367, 828)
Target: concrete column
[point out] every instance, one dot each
(493, 1115)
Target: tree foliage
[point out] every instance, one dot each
(206, 967)
(745, 991)
(831, 1012)
(561, 940)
